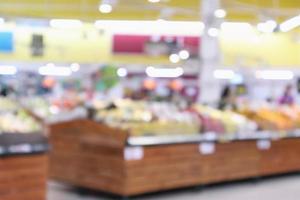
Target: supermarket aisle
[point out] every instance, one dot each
(279, 188)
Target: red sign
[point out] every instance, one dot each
(146, 44)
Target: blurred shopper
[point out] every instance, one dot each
(227, 99)
(287, 97)
(6, 90)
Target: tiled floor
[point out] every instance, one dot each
(279, 188)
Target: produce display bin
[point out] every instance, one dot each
(92, 155)
(23, 166)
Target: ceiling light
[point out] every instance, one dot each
(164, 72)
(8, 70)
(213, 32)
(75, 67)
(184, 54)
(154, 27)
(267, 27)
(274, 74)
(161, 20)
(105, 8)
(2, 20)
(237, 79)
(52, 70)
(224, 74)
(174, 58)
(236, 27)
(220, 13)
(290, 24)
(122, 72)
(154, 1)
(271, 23)
(65, 23)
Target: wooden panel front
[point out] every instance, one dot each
(23, 177)
(89, 155)
(85, 153)
(175, 166)
(282, 157)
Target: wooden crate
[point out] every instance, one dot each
(23, 177)
(91, 155)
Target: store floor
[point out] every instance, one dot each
(276, 188)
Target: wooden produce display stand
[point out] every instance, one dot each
(23, 166)
(92, 155)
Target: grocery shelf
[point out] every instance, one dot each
(95, 156)
(24, 166)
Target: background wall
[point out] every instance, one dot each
(255, 49)
(61, 45)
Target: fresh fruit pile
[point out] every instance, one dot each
(158, 118)
(224, 121)
(14, 119)
(37, 105)
(149, 118)
(7, 104)
(275, 118)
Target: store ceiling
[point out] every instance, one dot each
(238, 10)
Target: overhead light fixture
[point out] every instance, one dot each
(52, 70)
(174, 58)
(267, 27)
(8, 70)
(236, 27)
(2, 20)
(274, 74)
(161, 20)
(105, 8)
(213, 32)
(220, 13)
(65, 23)
(152, 27)
(122, 72)
(224, 74)
(154, 1)
(290, 24)
(75, 67)
(184, 54)
(237, 79)
(164, 72)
